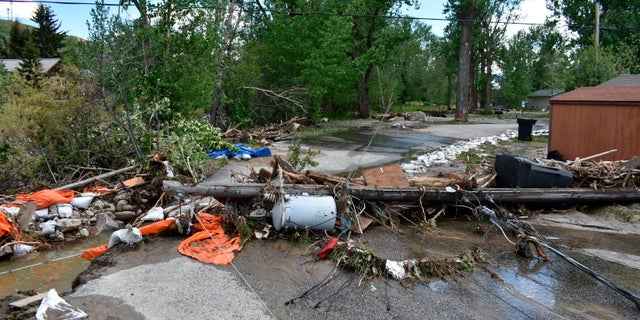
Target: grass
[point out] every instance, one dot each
(624, 213)
(320, 130)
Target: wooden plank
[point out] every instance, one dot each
(25, 214)
(541, 196)
(390, 176)
(27, 301)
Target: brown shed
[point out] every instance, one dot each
(591, 120)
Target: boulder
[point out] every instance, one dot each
(68, 225)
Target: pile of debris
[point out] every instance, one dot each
(34, 221)
(266, 134)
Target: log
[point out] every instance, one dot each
(85, 182)
(322, 178)
(540, 196)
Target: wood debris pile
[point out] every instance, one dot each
(586, 174)
(599, 175)
(266, 134)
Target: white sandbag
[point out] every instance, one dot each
(64, 210)
(129, 235)
(13, 211)
(154, 214)
(49, 227)
(54, 307)
(82, 202)
(41, 214)
(20, 250)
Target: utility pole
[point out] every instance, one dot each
(596, 38)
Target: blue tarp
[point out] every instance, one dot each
(241, 153)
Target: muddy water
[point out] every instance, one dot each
(55, 268)
(385, 140)
(521, 287)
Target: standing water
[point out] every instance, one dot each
(53, 268)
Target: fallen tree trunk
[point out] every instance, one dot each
(85, 182)
(499, 195)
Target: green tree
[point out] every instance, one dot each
(591, 67)
(5, 50)
(30, 67)
(47, 35)
(531, 60)
(18, 37)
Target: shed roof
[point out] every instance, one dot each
(625, 95)
(622, 80)
(47, 63)
(546, 93)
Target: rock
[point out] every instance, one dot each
(84, 232)
(68, 225)
(105, 221)
(125, 215)
(120, 205)
(120, 196)
(416, 116)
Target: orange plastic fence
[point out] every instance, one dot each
(150, 229)
(6, 228)
(47, 197)
(211, 244)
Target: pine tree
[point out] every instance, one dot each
(48, 38)
(18, 37)
(30, 67)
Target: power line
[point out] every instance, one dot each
(60, 2)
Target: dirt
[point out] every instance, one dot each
(284, 272)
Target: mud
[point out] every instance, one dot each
(267, 274)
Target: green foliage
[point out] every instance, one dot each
(188, 142)
(47, 36)
(18, 37)
(47, 130)
(591, 67)
(30, 67)
(300, 159)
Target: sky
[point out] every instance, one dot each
(73, 17)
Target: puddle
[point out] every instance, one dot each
(385, 140)
(54, 268)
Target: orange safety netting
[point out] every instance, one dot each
(6, 228)
(47, 197)
(211, 244)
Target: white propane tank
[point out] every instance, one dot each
(299, 212)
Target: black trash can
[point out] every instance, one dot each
(525, 127)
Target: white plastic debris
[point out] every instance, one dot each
(41, 214)
(54, 307)
(445, 154)
(49, 227)
(13, 211)
(65, 210)
(154, 214)
(396, 269)
(169, 169)
(129, 235)
(82, 202)
(20, 250)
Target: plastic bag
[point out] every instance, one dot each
(63, 310)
